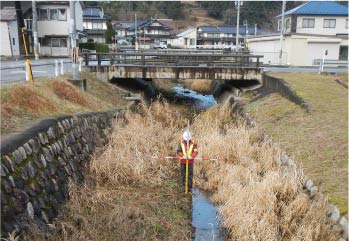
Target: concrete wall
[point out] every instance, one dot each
(301, 50)
(38, 165)
(5, 49)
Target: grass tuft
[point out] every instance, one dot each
(67, 91)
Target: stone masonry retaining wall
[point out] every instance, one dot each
(38, 165)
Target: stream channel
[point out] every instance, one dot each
(205, 218)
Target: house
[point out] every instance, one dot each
(94, 24)
(120, 30)
(152, 31)
(54, 22)
(9, 32)
(222, 36)
(310, 30)
(185, 39)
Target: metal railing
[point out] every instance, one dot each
(148, 59)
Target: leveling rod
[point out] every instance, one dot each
(196, 158)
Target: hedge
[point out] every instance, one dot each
(100, 48)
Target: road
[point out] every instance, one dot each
(14, 71)
(304, 69)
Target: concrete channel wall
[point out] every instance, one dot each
(38, 165)
(282, 87)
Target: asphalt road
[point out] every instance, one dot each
(14, 71)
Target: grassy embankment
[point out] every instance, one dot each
(22, 103)
(130, 196)
(319, 141)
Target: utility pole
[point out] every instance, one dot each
(35, 30)
(73, 37)
(282, 28)
(246, 32)
(136, 39)
(238, 3)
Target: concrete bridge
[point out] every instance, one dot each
(175, 65)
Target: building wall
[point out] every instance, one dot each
(78, 16)
(15, 39)
(300, 50)
(319, 23)
(5, 49)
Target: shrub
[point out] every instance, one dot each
(67, 91)
(100, 48)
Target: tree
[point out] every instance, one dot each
(109, 33)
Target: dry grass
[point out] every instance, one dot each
(128, 195)
(259, 200)
(22, 103)
(67, 91)
(319, 140)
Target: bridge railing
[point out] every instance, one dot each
(151, 59)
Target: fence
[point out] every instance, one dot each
(272, 58)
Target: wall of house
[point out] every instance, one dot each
(78, 16)
(319, 23)
(5, 49)
(53, 27)
(15, 41)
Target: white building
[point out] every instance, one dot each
(94, 24)
(9, 32)
(53, 27)
(310, 29)
(185, 39)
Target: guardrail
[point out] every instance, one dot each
(148, 59)
(331, 62)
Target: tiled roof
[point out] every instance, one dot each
(319, 8)
(226, 29)
(184, 33)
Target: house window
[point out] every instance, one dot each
(45, 42)
(62, 14)
(59, 42)
(53, 14)
(192, 41)
(288, 24)
(308, 23)
(346, 23)
(43, 14)
(329, 23)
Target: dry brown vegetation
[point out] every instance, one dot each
(130, 196)
(198, 85)
(319, 140)
(67, 91)
(259, 200)
(22, 103)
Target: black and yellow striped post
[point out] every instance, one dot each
(31, 80)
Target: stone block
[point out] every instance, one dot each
(51, 134)
(23, 153)
(44, 217)
(43, 139)
(19, 183)
(5, 186)
(3, 170)
(27, 148)
(17, 157)
(30, 211)
(344, 225)
(308, 184)
(35, 145)
(51, 169)
(8, 162)
(313, 191)
(31, 169)
(47, 154)
(11, 181)
(21, 195)
(333, 214)
(23, 173)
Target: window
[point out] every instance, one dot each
(192, 41)
(13, 41)
(53, 14)
(308, 23)
(55, 42)
(63, 42)
(329, 23)
(346, 23)
(43, 14)
(288, 24)
(59, 42)
(62, 14)
(45, 42)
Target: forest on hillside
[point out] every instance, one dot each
(261, 12)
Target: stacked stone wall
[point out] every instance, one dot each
(38, 165)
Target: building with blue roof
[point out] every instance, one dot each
(94, 24)
(311, 30)
(317, 17)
